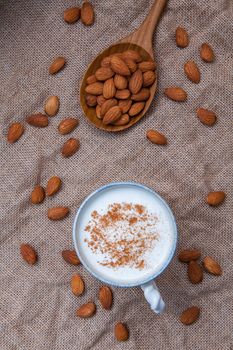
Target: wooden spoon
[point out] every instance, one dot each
(141, 41)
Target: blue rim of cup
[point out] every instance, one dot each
(113, 184)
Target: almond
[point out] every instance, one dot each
(87, 13)
(132, 55)
(38, 120)
(124, 119)
(105, 297)
(119, 66)
(109, 89)
(122, 94)
(156, 137)
(136, 108)
(91, 79)
(91, 100)
(121, 332)
(67, 125)
(53, 185)
(195, 272)
(135, 83)
(112, 115)
(189, 255)
(28, 253)
(145, 66)
(149, 78)
(120, 82)
(57, 64)
(192, 72)
(95, 88)
(107, 105)
(207, 53)
(142, 95)
(206, 116)
(182, 39)
(190, 315)
(15, 131)
(176, 94)
(212, 266)
(98, 112)
(37, 195)
(106, 61)
(86, 310)
(70, 147)
(52, 106)
(125, 105)
(77, 285)
(70, 257)
(131, 65)
(101, 100)
(215, 198)
(104, 73)
(71, 15)
(58, 213)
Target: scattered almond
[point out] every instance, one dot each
(136, 108)
(122, 94)
(207, 53)
(156, 137)
(149, 78)
(87, 13)
(120, 82)
(105, 297)
(212, 266)
(57, 64)
(86, 310)
(192, 72)
(28, 253)
(91, 100)
(121, 332)
(37, 195)
(195, 272)
(91, 79)
(136, 81)
(119, 66)
(71, 15)
(182, 39)
(109, 89)
(112, 115)
(176, 94)
(58, 213)
(206, 116)
(95, 88)
(145, 66)
(124, 119)
(70, 257)
(52, 106)
(142, 95)
(15, 131)
(70, 147)
(190, 315)
(38, 120)
(215, 198)
(104, 73)
(107, 105)
(189, 255)
(77, 285)
(125, 105)
(132, 55)
(67, 125)
(53, 185)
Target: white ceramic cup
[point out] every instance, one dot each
(135, 193)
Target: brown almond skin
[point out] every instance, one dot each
(67, 125)
(87, 13)
(189, 255)
(125, 105)
(192, 72)
(182, 39)
(195, 272)
(190, 315)
(28, 253)
(109, 89)
(38, 120)
(52, 106)
(112, 115)
(15, 131)
(124, 119)
(77, 285)
(98, 112)
(70, 147)
(57, 65)
(206, 116)
(120, 82)
(215, 198)
(71, 257)
(119, 66)
(105, 297)
(146, 66)
(86, 310)
(107, 105)
(122, 94)
(149, 78)
(101, 100)
(142, 95)
(53, 186)
(121, 332)
(136, 81)
(37, 195)
(95, 88)
(212, 266)
(71, 15)
(104, 73)
(207, 53)
(132, 55)
(156, 137)
(91, 100)
(132, 65)
(176, 93)
(106, 61)
(91, 79)
(136, 108)
(58, 213)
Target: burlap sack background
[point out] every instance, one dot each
(37, 307)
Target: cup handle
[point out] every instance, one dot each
(153, 297)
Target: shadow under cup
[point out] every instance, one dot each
(164, 248)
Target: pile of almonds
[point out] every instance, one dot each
(120, 88)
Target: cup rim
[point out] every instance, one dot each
(130, 183)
